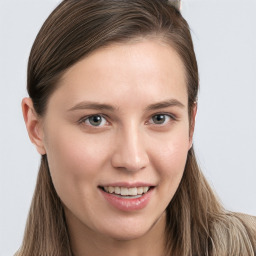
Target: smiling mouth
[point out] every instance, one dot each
(124, 192)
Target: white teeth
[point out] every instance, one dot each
(124, 191)
(117, 190)
(127, 191)
(145, 189)
(111, 190)
(140, 191)
(132, 191)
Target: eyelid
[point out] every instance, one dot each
(170, 115)
(83, 119)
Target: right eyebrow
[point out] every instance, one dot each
(92, 105)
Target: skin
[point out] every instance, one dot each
(128, 146)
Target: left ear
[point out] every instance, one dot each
(192, 124)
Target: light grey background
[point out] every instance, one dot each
(224, 34)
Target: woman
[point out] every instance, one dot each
(113, 97)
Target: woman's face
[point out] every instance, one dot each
(116, 134)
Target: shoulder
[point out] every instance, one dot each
(249, 222)
(246, 218)
(233, 234)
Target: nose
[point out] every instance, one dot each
(130, 153)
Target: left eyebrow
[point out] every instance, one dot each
(165, 104)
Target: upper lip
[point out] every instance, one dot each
(127, 184)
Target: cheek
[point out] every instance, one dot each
(169, 160)
(170, 150)
(74, 163)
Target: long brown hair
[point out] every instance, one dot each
(196, 222)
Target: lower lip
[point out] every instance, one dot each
(128, 204)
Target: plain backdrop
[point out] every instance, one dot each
(224, 35)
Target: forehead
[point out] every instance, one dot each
(148, 69)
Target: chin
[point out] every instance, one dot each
(127, 235)
(131, 230)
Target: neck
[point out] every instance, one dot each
(87, 242)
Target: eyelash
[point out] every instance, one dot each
(170, 116)
(86, 118)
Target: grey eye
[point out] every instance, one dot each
(95, 120)
(160, 119)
